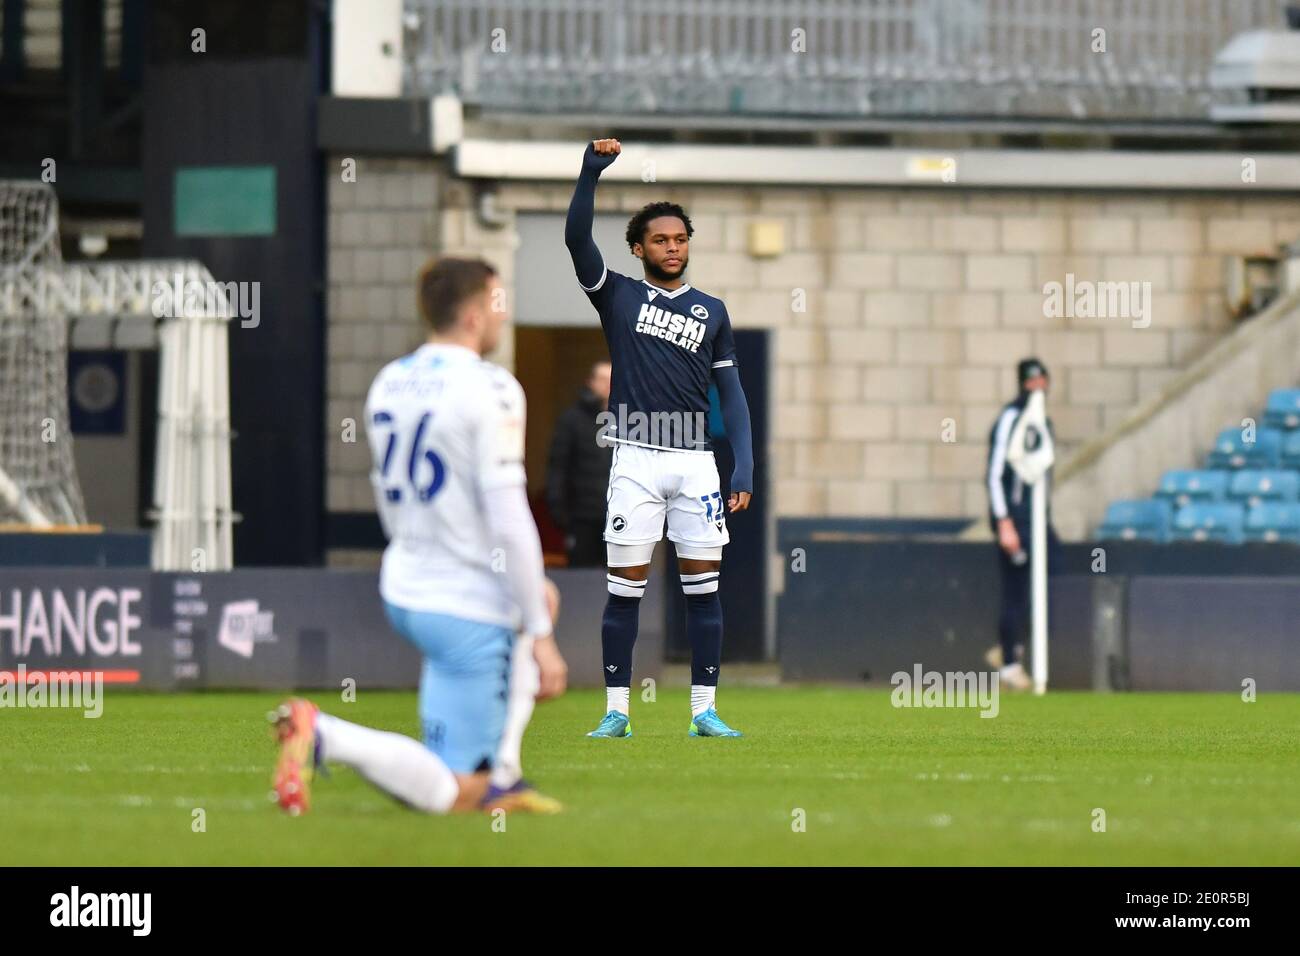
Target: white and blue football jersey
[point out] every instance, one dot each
(444, 427)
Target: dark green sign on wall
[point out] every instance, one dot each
(224, 201)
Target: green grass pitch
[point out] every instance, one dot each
(1183, 779)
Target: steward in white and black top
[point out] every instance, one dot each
(1009, 516)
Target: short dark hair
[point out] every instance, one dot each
(445, 285)
(636, 225)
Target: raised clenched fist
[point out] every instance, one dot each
(600, 153)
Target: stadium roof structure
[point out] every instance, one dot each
(477, 150)
(1089, 60)
(990, 168)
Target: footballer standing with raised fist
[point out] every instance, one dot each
(668, 343)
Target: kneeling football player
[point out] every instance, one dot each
(446, 433)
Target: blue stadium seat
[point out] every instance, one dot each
(1231, 452)
(1273, 521)
(1143, 519)
(1209, 521)
(1283, 409)
(1185, 486)
(1291, 451)
(1253, 485)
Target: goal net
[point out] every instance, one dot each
(38, 479)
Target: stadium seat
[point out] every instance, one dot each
(1251, 485)
(1231, 452)
(1184, 486)
(1273, 521)
(1291, 451)
(1143, 519)
(1283, 409)
(1209, 521)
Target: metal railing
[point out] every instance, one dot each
(852, 58)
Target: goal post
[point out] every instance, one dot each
(38, 478)
(40, 298)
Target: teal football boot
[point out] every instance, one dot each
(709, 724)
(613, 724)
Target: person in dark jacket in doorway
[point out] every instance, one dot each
(577, 473)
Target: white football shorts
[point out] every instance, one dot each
(648, 484)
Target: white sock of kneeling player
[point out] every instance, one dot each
(525, 681)
(397, 764)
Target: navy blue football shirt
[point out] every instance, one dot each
(663, 346)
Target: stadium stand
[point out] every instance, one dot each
(1248, 491)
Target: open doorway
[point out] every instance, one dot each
(551, 363)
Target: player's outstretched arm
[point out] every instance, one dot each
(735, 416)
(587, 261)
